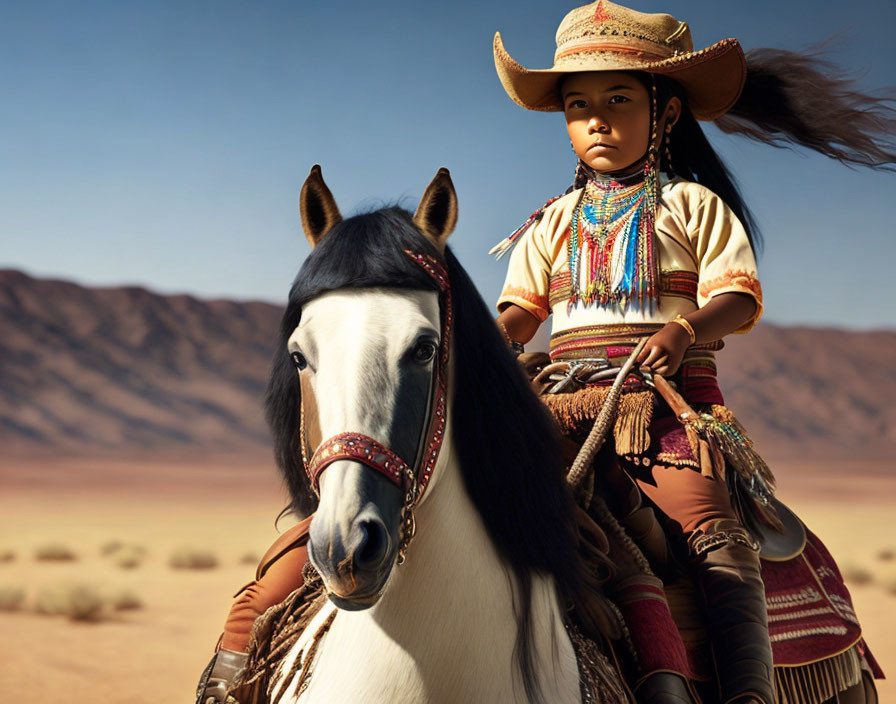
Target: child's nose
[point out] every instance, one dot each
(598, 124)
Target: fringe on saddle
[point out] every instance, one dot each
(272, 637)
(818, 681)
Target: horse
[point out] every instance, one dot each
(444, 531)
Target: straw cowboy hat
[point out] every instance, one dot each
(604, 36)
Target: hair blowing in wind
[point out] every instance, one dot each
(802, 99)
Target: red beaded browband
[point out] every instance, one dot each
(362, 448)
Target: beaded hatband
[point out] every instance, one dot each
(364, 449)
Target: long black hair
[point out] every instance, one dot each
(507, 443)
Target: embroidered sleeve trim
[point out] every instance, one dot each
(736, 280)
(732, 279)
(526, 299)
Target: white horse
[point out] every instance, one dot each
(473, 613)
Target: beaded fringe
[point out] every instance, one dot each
(818, 681)
(575, 413)
(724, 431)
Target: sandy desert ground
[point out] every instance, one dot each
(155, 654)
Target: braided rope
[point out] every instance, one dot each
(609, 523)
(583, 464)
(581, 467)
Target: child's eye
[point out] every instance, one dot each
(618, 99)
(576, 104)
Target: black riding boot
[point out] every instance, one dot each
(663, 688)
(726, 565)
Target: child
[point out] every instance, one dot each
(654, 241)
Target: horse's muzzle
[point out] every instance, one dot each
(353, 538)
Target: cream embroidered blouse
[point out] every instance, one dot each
(702, 247)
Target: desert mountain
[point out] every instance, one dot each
(86, 370)
(121, 369)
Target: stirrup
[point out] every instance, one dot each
(217, 677)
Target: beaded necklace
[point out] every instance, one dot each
(611, 246)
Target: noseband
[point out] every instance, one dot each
(364, 449)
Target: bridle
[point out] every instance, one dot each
(364, 449)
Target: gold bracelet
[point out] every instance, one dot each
(681, 320)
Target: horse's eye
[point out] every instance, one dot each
(299, 360)
(424, 352)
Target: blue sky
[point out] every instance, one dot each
(164, 143)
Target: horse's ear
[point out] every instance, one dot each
(436, 215)
(317, 207)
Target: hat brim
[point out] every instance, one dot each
(712, 78)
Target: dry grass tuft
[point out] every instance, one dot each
(126, 600)
(11, 598)
(856, 574)
(110, 547)
(127, 556)
(886, 554)
(249, 558)
(55, 552)
(130, 557)
(77, 601)
(190, 558)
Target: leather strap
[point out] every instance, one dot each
(360, 448)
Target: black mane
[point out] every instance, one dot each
(509, 456)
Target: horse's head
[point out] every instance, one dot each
(366, 333)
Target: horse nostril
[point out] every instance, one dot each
(373, 544)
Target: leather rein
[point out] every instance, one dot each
(364, 449)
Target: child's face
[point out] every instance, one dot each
(608, 118)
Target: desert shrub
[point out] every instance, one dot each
(77, 601)
(7, 555)
(856, 574)
(110, 547)
(124, 555)
(129, 558)
(249, 558)
(55, 552)
(126, 600)
(11, 598)
(886, 554)
(190, 558)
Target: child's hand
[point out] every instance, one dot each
(665, 349)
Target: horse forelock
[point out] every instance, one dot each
(362, 252)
